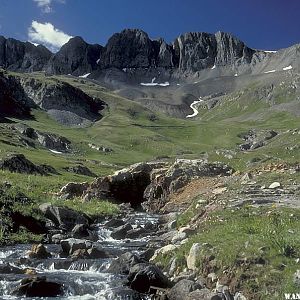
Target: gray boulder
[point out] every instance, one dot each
(120, 232)
(69, 246)
(182, 288)
(38, 287)
(142, 277)
(123, 263)
(63, 217)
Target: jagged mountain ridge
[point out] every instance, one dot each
(132, 48)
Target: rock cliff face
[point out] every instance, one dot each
(131, 48)
(13, 101)
(75, 57)
(24, 57)
(198, 51)
(62, 101)
(65, 103)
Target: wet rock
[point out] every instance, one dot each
(91, 253)
(81, 170)
(181, 289)
(123, 263)
(121, 232)
(193, 256)
(57, 238)
(80, 254)
(80, 231)
(63, 217)
(30, 223)
(18, 163)
(114, 223)
(96, 253)
(9, 269)
(148, 276)
(136, 233)
(39, 252)
(69, 246)
(38, 287)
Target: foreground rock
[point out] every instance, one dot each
(148, 183)
(165, 182)
(38, 287)
(39, 252)
(144, 276)
(182, 289)
(18, 163)
(62, 217)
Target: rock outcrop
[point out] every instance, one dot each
(75, 57)
(48, 140)
(13, 101)
(63, 102)
(22, 56)
(130, 49)
(165, 182)
(18, 163)
(149, 184)
(62, 217)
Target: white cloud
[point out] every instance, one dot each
(45, 5)
(48, 35)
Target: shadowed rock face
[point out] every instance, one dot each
(24, 57)
(75, 57)
(198, 51)
(13, 100)
(131, 48)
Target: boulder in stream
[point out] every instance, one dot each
(38, 287)
(39, 251)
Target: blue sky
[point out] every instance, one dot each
(261, 24)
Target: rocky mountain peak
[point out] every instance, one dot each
(22, 56)
(130, 48)
(75, 57)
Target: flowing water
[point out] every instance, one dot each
(82, 279)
